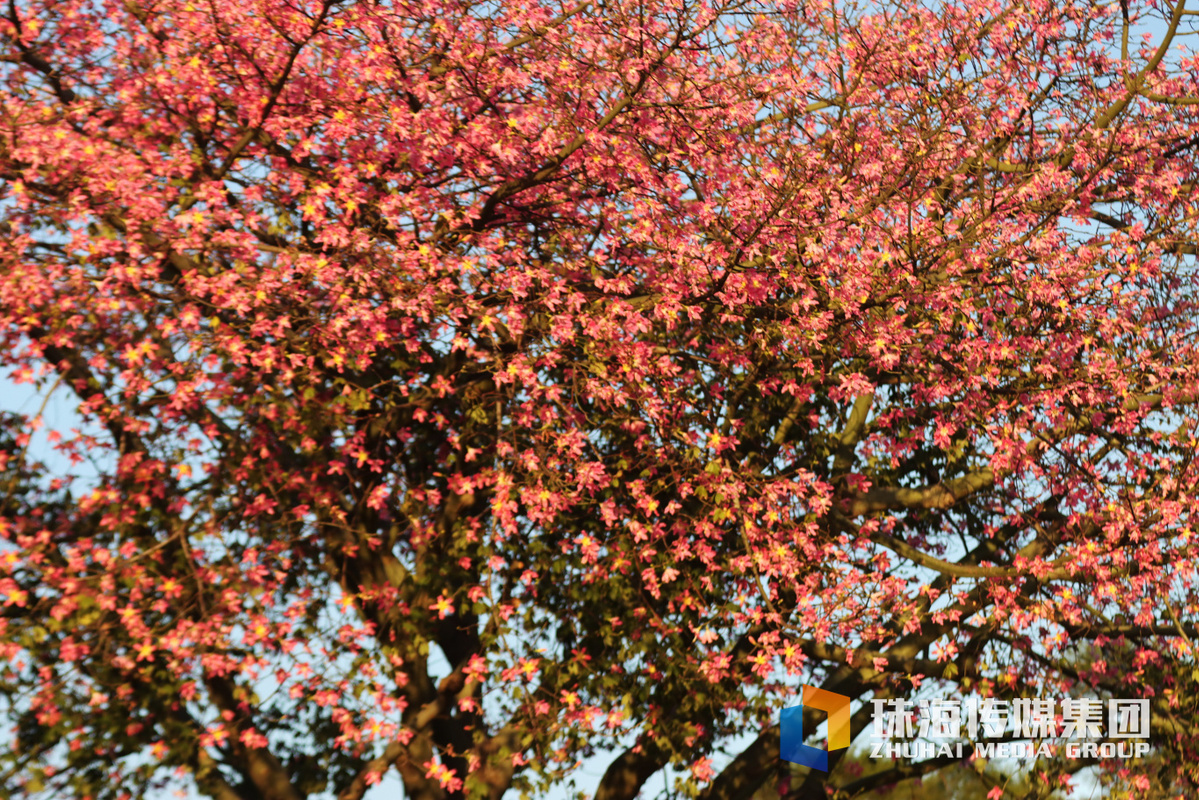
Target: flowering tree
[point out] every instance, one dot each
(469, 388)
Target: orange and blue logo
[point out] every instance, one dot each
(791, 744)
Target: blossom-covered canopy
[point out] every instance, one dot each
(465, 388)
